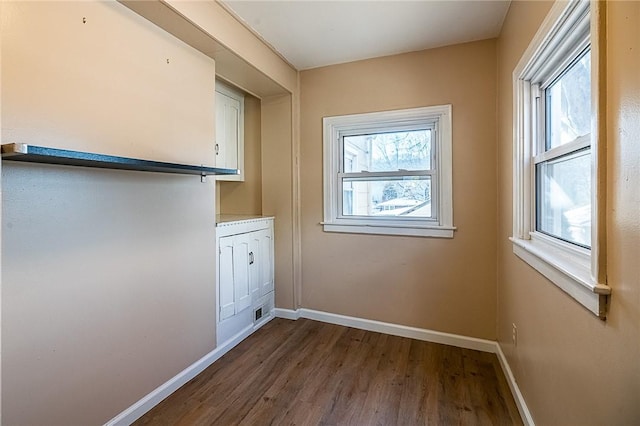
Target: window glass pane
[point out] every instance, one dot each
(383, 152)
(564, 197)
(408, 196)
(568, 104)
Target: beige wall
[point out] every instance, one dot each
(73, 85)
(440, 284)
(213, 19)
(107, 289)
(107, 276)
(243, 54)
(246, 197)
(277, 190)
(103, 271)
(572, 368)
(100, 263)
(268, 155)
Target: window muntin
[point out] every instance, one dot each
(389, 172)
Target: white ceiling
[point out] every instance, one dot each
(312, 34)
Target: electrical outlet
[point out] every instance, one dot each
(514, 334)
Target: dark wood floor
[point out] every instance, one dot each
(311, 373)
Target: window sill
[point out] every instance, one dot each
(570, 272)
(382, 229)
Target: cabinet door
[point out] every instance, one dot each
(225, 278)
(254, 264)
(242, 291)
(234, 275)
(227, 131)
(266, 261)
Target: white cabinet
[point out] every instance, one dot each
(235, 287)
(245, 281)
(264, 271)
(229, 146)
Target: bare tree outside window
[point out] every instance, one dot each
(389, 152)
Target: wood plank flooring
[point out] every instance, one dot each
(310, 373)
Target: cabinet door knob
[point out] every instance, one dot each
(251, 258)
(217, 149)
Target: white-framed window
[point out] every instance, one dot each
(558, 166)
(389, 173)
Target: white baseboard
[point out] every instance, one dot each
(393, 329)
(527, 419)
(287, 313)
(156, 396)
(419, 334)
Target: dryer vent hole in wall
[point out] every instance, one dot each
(258, 314)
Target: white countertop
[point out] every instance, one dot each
(226, 218)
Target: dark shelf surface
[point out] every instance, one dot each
(40, 154)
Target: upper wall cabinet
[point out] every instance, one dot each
(229, 130)
(97, 77)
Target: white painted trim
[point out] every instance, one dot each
(566, 275)
(564, 33)
(437, 117)
(550, 34)
(243, 226)
(156, 396)
(417, 231)
(392, 329)
(287, 313)
(525, 414)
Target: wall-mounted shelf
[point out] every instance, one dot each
(40, 154)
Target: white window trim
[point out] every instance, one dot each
(334, 127)
(577, 271)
